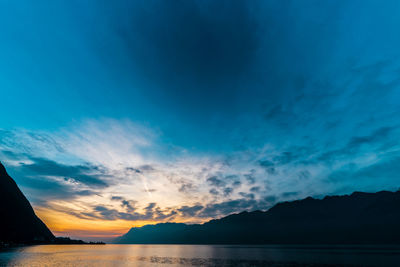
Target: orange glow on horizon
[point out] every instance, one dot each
(64, 224)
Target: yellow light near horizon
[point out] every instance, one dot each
(63, 224)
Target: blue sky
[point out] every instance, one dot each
(128, 112)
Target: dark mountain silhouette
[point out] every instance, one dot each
(359, 218)
(18, 221)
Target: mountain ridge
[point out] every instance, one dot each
(357, 218)
(19, 223)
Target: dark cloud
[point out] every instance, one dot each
(141, 169)
(247, 195)
(85, 174)
(151, 212)
(236, 183)
(251, 179)
(268, 166)
(215, 181)
(232, 177)
(210, 210)
(10, 155)
(192, 211)
(157, 214)
(231, 206)
(40, 190)
(214, 192)
(133, 170)
(255, 189)
(187, 187)
(146, 168)
(233, 180)
(228, 191)
(183, 185)
(355, 144)
(266, 163)
(375, 137)
(129, 205)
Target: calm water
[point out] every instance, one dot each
(199, 255)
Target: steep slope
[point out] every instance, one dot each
(18, 222)
(359, 218)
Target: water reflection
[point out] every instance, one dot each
(199, 255)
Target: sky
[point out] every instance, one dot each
(116, 114)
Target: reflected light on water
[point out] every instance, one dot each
(199, 255)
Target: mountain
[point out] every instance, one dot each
(19, 223)
(359, 218)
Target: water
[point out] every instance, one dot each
(199, 255)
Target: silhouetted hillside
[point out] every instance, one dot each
(18, 222)
(359, 218)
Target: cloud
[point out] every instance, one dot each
(236, 183)
(186, 187)
(228, 191)
(214, 192)
(42, 191)
(250, 177)
(45, 180)
(382, 174)
(88, 175)
(188, 211)
(375, 137)
(378, 137)
(129, 205)
(151, 212)
(9, 155)
(215, 181)
(131, 169)
(255, 189)
(266, 163)
(231, 206)
(247, 195)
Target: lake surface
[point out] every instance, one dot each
(199, 255)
